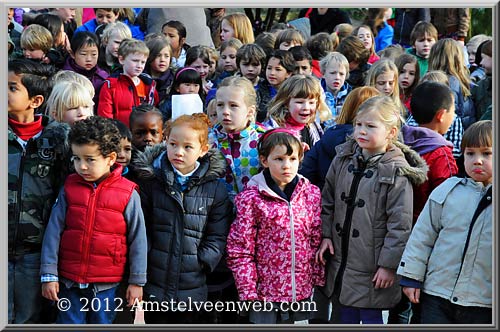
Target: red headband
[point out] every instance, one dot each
(277, 130)
(183, 69)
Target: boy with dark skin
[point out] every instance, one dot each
(146, 125)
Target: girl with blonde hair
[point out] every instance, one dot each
(367, 206)
(318, 160)
(298, 105)
(384, 76)
(111, 39)
(70, 102)
(365, 33)
(237, 25)
(447, 55)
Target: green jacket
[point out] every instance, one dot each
(36, 173)
(423, 63)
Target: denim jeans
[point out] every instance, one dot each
(25, 290)
(437, 310)
(351, 315)
(88, 306)
(404, 312)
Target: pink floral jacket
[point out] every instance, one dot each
(272, 242)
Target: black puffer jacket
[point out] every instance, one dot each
(187, 230)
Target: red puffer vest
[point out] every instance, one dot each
(94, 244)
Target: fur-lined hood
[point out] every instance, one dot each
(54, 136)
(399, 158)
(154, 162)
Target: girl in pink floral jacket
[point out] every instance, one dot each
(272, 243)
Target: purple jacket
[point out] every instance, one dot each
(96, 75)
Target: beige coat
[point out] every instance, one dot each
(367, 212)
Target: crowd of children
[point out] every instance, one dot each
(351, 168)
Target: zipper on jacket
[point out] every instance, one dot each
(346, 230)
(181, 201)
(292, 235)
(88, 230)
(481, 196)
(181, 247)
(169, 286)
(19, 197)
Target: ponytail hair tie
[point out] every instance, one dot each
(183, 69)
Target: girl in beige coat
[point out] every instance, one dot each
(367, 214)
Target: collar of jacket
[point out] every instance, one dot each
(344, 89)
(164, 77)
(114, 175)
(259, 181)
(79, 69)
(148, 80)
(153, 161)
(399, 160)
(220, 134)
(57, 132)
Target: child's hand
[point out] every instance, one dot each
(384, 277)
(50, 290)
(413, 294)
(325, 244)
(306, 146)
(133, 292)
(207, 86)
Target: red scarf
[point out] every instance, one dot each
(25, 131)
(294, 125)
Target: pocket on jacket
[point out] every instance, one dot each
(378, 242)
(118, 252)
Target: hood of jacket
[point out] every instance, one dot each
(423, 140)
(153, 162)
(399, 156)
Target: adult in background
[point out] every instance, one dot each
(67, 15)
(451, 23)
(376, 19)
(193, 18)
(214, 20)
(406, 18)
(324, 19)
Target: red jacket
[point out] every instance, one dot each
(118, 95)
(94, 245)
(316, 71)
(442, 166)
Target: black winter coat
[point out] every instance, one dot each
(187, 230)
